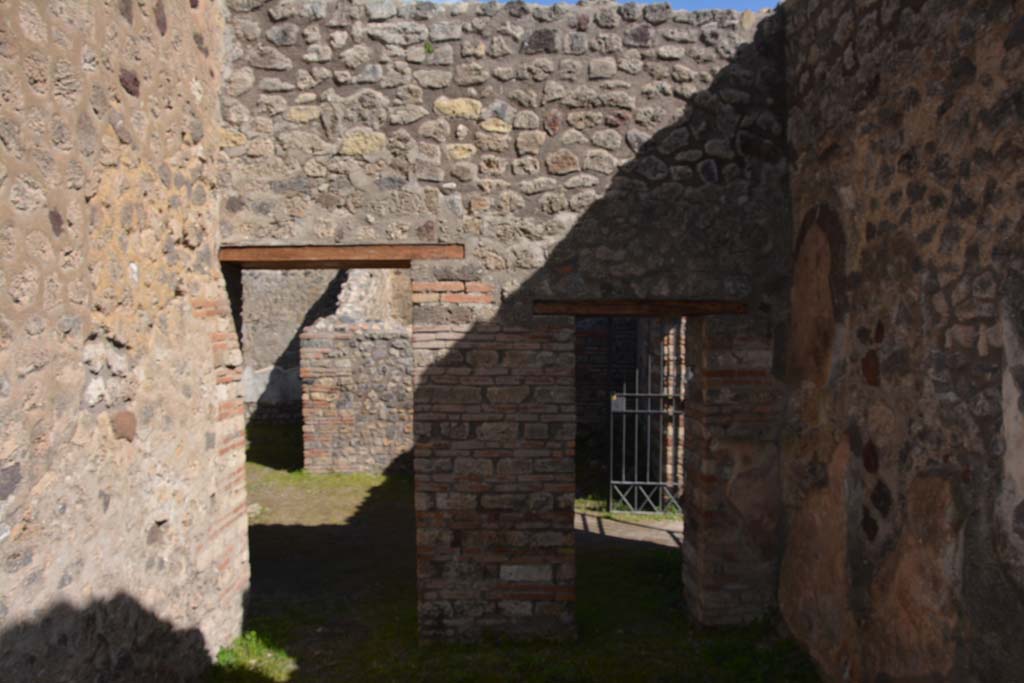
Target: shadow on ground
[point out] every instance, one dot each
(334, 587)
(280, 445)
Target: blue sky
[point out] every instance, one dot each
(723, 4)
(700, 4)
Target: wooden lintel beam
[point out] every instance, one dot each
(638, 308)
(338, 256)
(318, 265)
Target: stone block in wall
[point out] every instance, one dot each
(357, 396)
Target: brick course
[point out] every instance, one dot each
(495, 429)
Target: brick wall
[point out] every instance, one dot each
(732, 505)
(495, 424)
(226, 546)
(661, 347)
(356, 396)
(673, 383)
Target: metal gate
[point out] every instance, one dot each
(641, 421)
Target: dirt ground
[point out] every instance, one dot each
(598, 529)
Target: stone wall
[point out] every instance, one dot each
(565, 148)
(376, 294)
(357, 396)
(601, 151)
(903, 467)
(276, 306)
(122, 488)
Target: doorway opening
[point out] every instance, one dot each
(630, 398)
(327, 375)
(630, 375)
(276, 307)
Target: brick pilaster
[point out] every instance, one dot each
(495, 429)
(732, 504)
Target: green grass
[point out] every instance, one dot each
(334, 599)
(356, 483)
(598, 507)
(251, 659)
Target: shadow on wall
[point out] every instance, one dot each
(605, 359)
(116, 640)
(288, 362)
(265, 421)
(699, 213)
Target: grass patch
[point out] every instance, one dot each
(358, 483)
(252, 659)
(333, 598)
(598, 507)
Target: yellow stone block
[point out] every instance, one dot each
(458, 152)
(303, 113)
(231, 138)
(261, 147)
(494, 125)
(362, 141)
(458, 107)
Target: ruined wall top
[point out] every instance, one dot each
(375, 295)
